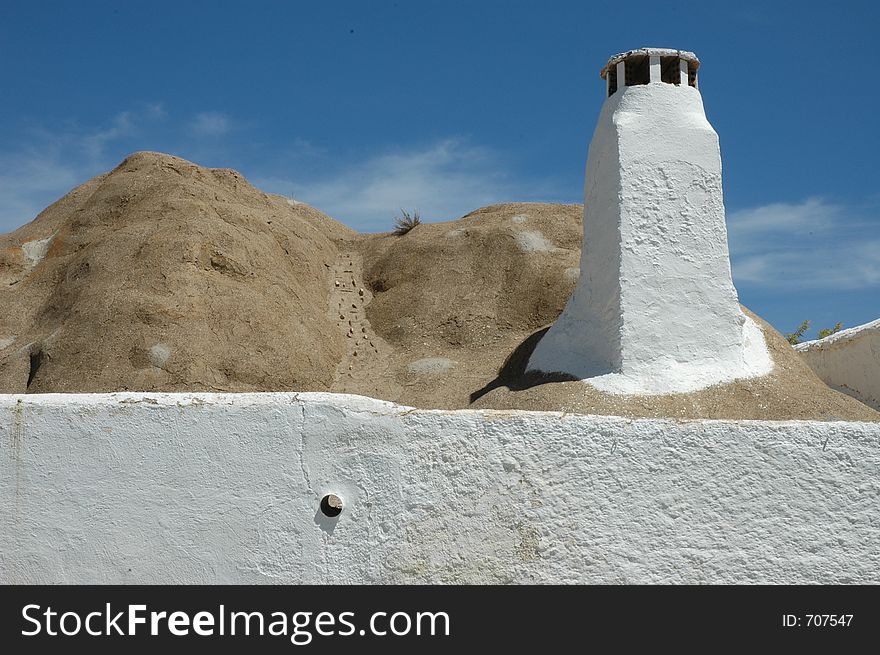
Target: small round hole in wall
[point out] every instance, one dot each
(331, 505)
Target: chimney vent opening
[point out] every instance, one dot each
(612, 81)
(638, 70)
(669, 70)
(692, 74)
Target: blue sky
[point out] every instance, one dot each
(361, 108)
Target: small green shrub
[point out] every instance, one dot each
(827, 332)
(797, 335)
(406, 221)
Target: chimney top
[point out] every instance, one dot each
(690, 57)
(649, 65)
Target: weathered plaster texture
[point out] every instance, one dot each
(655, 309)
(848, 361)
(686, 55)
(212, 488)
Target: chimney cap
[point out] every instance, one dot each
(650, 52)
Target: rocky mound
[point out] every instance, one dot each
(464, 303)
(162, 275)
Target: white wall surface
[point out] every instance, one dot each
(654, 309)
(848, 361)
(213, 488)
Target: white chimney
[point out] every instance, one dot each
(654, 310)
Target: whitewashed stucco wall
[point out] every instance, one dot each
(848, 361)
(225, 488)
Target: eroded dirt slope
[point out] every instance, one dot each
(164, 275)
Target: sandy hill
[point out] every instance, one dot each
(165, 276)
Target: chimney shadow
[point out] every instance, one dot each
(513, 375)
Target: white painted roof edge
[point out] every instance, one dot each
(843, 335)
(355, 403)
(655, 52)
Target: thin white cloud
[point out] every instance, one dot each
(442, 180)
(95, 142)
(26, 180)
(813, 244)
(782, 217)
(156, 110)
(51, 162)
(211, 123)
